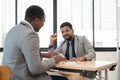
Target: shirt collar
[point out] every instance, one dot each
(28, 24)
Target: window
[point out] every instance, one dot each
(79, 13)
(7, 16)
(47, 29)
(100, 28)
(105, 23)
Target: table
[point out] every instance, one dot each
(93, 66)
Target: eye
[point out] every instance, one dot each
(62, 31)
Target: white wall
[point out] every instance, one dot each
(101, 56)
(108, 56)
(1, 54)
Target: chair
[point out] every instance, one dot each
(4, 72)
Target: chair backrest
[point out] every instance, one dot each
(4, 72)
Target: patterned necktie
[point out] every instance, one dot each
(67, 50)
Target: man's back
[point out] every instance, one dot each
(16, 48)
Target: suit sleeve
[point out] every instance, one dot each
(51, 48)
(30, 49)
(58, 49)
(88, 49)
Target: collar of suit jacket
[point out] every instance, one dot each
(24, 22)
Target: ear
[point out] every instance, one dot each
(37, 19)
(73, 30)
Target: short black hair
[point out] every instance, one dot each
(33, 12)
(66, 24)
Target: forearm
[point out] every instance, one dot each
(90, 56)
(46, 55)
(49, 55)
(78, 59)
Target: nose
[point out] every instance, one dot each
(64, 33)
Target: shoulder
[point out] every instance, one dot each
(62, 42)
(25, 30)
(80, 37)
(26, 33)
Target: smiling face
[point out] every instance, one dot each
(67, 32)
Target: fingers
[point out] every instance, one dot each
(73, 59)
(54, 35)
(53, 38)
(58, 58)
(61, 55)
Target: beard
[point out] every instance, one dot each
(67, 37)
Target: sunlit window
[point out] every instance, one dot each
(105, 23)
(79, 13)
(47, 29)
(7, 16)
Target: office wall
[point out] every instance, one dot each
(1, 54)
(100, 56)
(108, 56)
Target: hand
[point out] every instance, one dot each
(53, 38)
(78, 59)
(58, 59)
(53, 54)
(49, 55)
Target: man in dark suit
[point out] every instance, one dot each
(21, 49)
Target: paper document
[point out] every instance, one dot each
(70, 62)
